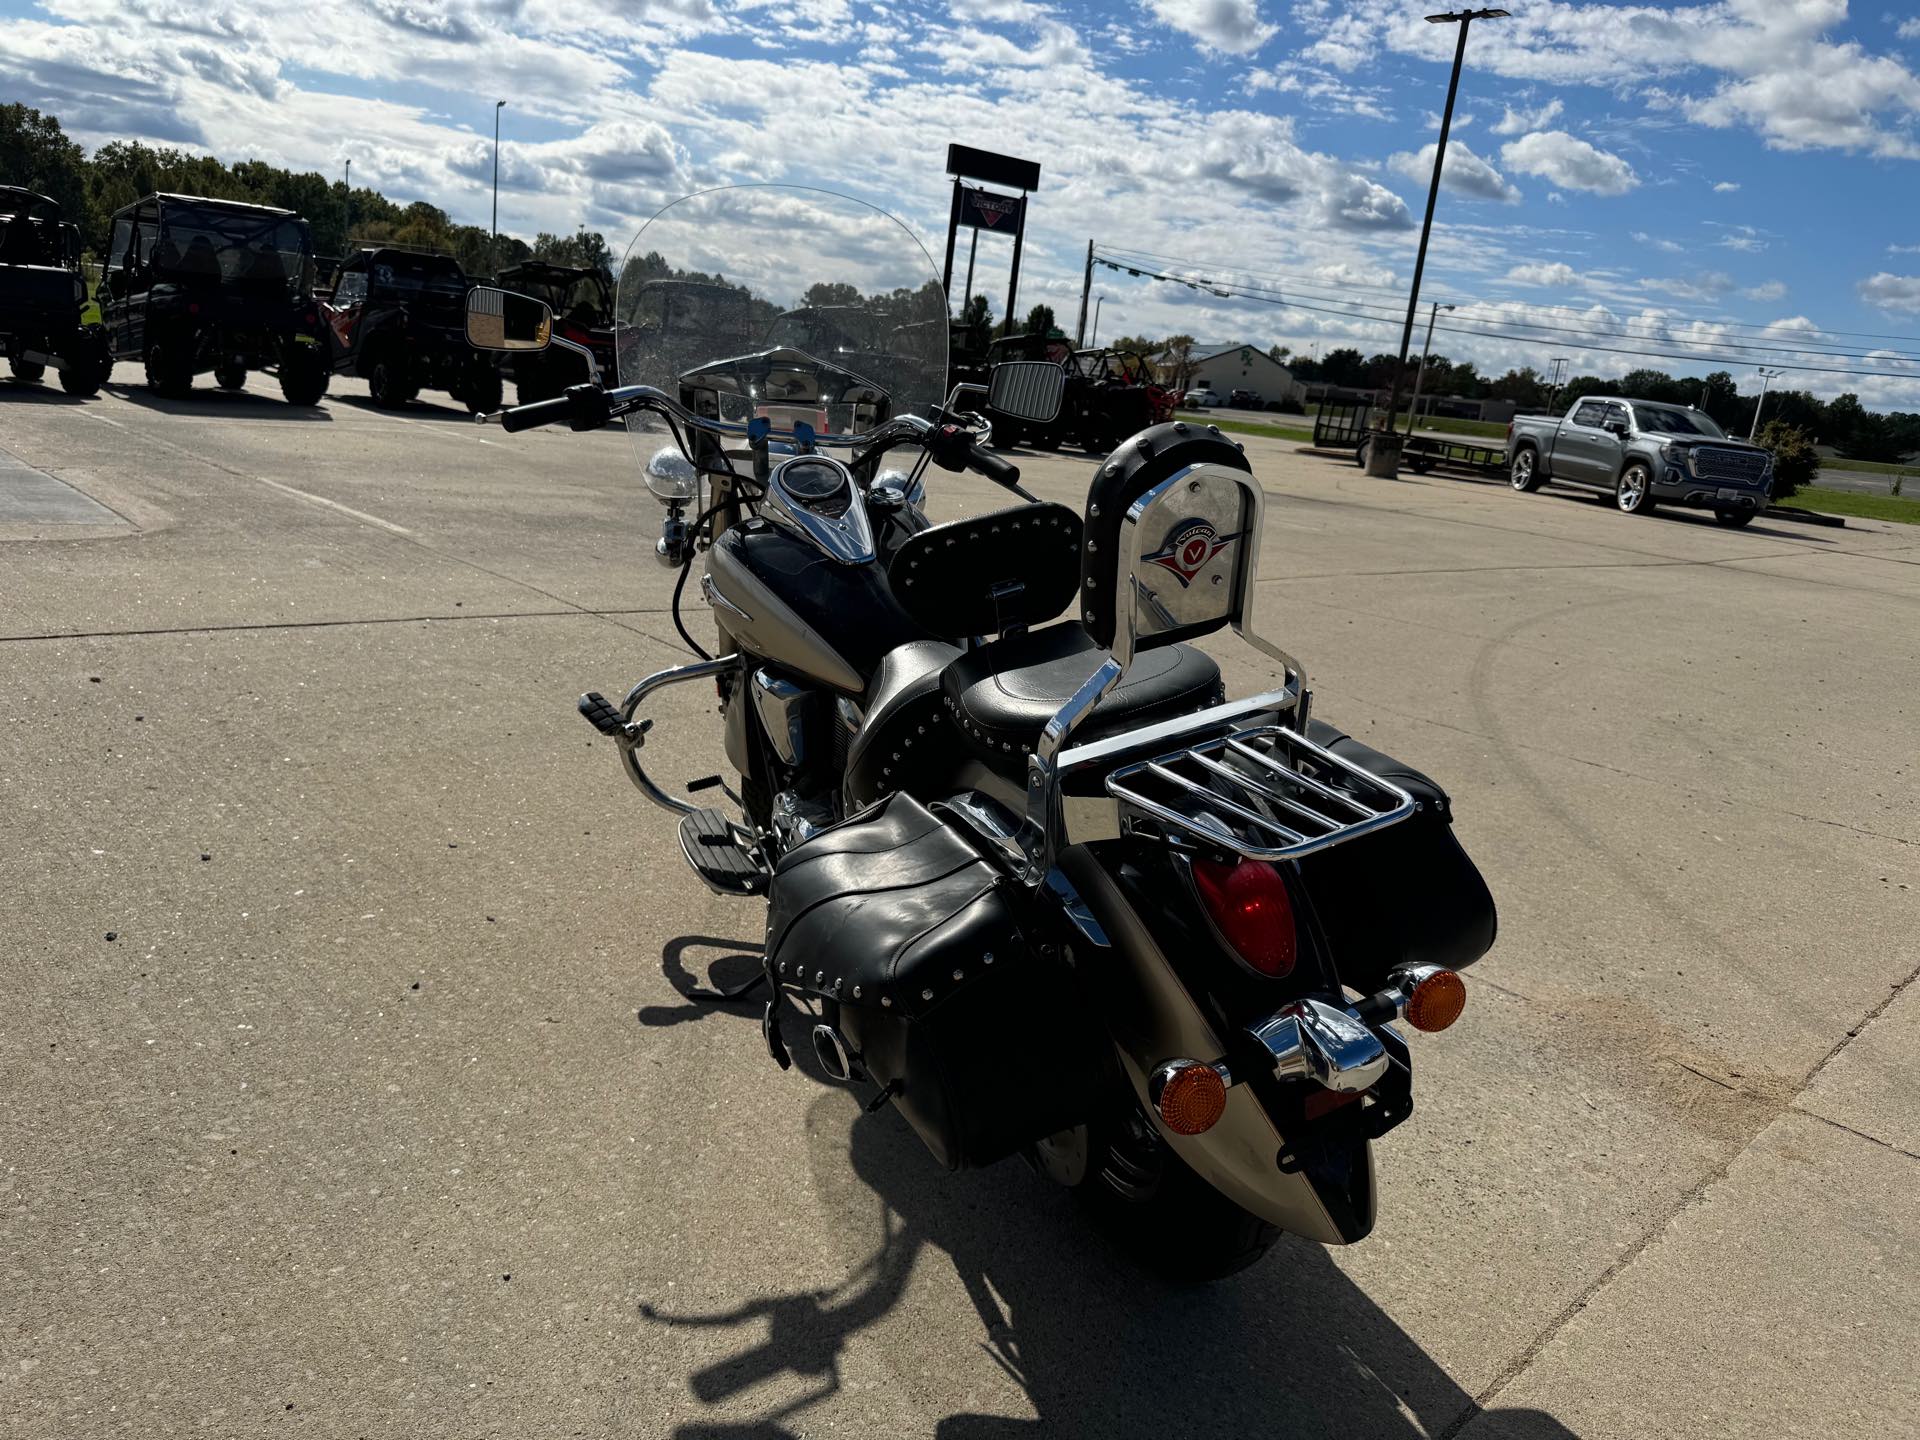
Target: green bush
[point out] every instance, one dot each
(1795, 461)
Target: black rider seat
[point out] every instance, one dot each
(1001, 695)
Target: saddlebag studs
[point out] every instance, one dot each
(926, 994)
(856, 992)
(987, 959)
(887, 1001)
(959, 974)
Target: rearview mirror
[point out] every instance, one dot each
(502, 320)
(1027, 390)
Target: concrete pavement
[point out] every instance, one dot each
(384, 1112)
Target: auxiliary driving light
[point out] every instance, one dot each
(1436, 1000)
(1190, 1095)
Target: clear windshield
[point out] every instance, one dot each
(799, 307)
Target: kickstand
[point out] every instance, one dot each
(879, 1101)
(722, 994)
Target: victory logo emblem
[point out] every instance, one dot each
(1189, 546)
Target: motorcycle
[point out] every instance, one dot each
(1037, 882)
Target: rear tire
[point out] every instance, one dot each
(390, 385)
(230, 377)
(29, 370)
(1151, 1204)
(1524, 474)
(88, 363)
(303, 376)
(484, 392)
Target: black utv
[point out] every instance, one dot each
(398, 320)
(582, 303)
(43, 295)
(193, 285)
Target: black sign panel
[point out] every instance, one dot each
(984, 210)
(1005, 170)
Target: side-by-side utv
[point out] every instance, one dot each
(193, 285)
(43, 296)
(397, 318)
(582, 303)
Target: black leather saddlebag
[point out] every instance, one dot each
(1406, 894)
(923, 948)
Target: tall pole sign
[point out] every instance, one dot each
(977, 208)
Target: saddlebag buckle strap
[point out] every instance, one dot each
(1310, 1040)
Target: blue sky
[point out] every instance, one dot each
(1688, 177)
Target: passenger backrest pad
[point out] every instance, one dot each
(1190, 544)
(989, 573)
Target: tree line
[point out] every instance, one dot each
(37, 154)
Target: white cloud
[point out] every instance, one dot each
(1659, 242)
(1570, 163)
(1892, 292)
(1769, 64)
(1709, 285)
(1234, 26)
(1909, 29)
(1556, 274)
(1464, 171)
(1257, 154)
(1726, 187)
(1519, 122)
(1903, 249)
(1769, 290)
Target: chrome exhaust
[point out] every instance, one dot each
(831, 1050)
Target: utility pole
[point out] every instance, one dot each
(493, 240)
(1413, 406)
(1086, 286)
(1094, 340)
(1766, 375)
(1383, 452)
(346, 184)
(1554, 392)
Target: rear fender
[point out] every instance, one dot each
(1153, 1017)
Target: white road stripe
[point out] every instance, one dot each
(360, 515)
(87, 414)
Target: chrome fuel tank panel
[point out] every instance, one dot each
(763, 623)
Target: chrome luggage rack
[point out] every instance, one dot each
(1267, 793)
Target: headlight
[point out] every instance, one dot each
(671, 477)
(1676, 454)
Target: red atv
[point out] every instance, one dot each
(582, 305)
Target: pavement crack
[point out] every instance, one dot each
(1772, 1112)
(1858, 1134)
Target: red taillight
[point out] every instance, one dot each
(193, 307)
(1249, 905)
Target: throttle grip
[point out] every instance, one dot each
(985, 462)
(541, 412)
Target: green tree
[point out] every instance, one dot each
(1345, 366)
(1039, 321)
(834, 292)
(586, 249)
(36, 154)
(1178, 359)
(1795, 461)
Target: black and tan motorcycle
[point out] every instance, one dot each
(1032, 877)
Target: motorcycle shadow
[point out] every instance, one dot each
(738, 962)
(1291, 1347)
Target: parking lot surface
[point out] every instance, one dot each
(353, 1088)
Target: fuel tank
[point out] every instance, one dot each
(783, 600)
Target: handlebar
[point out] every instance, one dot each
(540, 412)
(1000, 471)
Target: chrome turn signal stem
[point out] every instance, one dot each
(1311, 1040)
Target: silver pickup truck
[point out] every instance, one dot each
(1641, 452)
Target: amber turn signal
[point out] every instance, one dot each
(1436, 1002)
(1190, 1096)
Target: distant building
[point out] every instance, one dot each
(1243, 367)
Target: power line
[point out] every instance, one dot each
(1461, 298)
(1354, 312)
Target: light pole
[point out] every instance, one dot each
(1558, 361)
(1413, 406)
(1766, 375)
(1383, 456)
(493, 240)
(1098, 301)
(346, 229)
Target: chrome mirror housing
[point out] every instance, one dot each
(501, 320)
